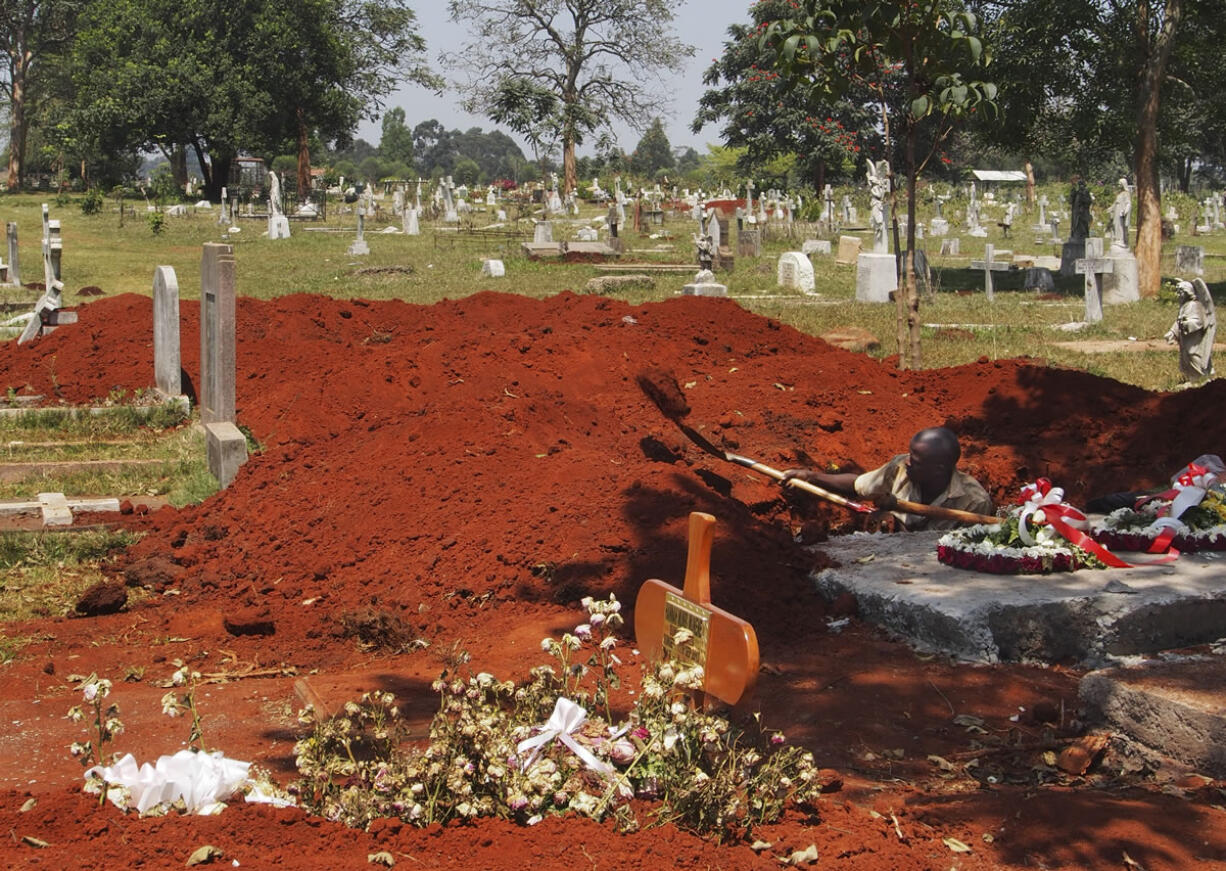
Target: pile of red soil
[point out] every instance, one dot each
(464, 473)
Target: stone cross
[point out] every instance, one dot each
(1094, 268)
(988, 252)
(829, 196)
(46, 311)
(1043, 210)
(359, 246)
(749, 196)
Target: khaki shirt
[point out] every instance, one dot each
(963, 492)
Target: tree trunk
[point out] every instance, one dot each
(910, 286)
(19, 61)
(1157, 49)
(304, 158)
(570, 175)
(218, 175)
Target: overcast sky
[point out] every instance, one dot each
(701, 23)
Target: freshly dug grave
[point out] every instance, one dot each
(460, 475)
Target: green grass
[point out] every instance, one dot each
(435, 266)
(182, 476)
(42, 574)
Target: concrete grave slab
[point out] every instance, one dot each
(1172, 709)
(1060, 618)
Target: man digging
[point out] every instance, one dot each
(927, 474)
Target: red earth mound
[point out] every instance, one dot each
(464, 473)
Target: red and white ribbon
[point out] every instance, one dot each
(1190, 488)
(1044, 505)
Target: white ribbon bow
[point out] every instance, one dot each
(565, 719)
(1037, 498)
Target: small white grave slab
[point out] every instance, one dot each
(796, 272)
(876, 276)
(493, 269)
(815, 246)
(278, 227)
(177, 211)
(587, 234)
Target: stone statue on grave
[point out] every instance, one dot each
(1194, 329)
(1079, 200)
(878, 187)
(706, 251)
(274, 195)
(1119, 216)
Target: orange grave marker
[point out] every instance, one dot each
(723, 644)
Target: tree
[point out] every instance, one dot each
(772, 116)
(30, 31)
(1122, 53)
(929, 49)
(396, 144)
(558, 70)
(218, 77)
(653, 153)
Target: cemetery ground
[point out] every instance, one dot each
(446, 464)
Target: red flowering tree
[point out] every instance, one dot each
(770, 115)
(930, 48)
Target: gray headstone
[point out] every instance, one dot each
(1038, 278)
(217, 342)
(543, 233)
(167, 356)
(14, 269)
(815, 246)
(951, 247)
(1190, 258)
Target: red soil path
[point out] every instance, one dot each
(464, 473)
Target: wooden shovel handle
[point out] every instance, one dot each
(942, 512)
(798, 483)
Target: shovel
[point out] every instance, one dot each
(723, 644)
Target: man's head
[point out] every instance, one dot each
(933, 456)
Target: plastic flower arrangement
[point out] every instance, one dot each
(1190, 516)
(1040, 536)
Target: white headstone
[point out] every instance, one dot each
(796, 272)
(493, 269)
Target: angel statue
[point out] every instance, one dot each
(878, 187)
(1194, 329)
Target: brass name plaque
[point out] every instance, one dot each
(680, 613)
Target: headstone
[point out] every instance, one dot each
(849, 250)
(795, 271)
(938, 227)
(176, 211)
(217, 343)
(223, 215)
(278, 227)
(951, 247)
(412, 226)
(1121, 285)
(225, 444)
(1094, 246)
(988, 290)
(1038, 278)
(876, 276)
(704, 284)
(1190, 259)
(493, 269)
(749, 243)
(1094, 268)
(815, 246)
(167, 355)
(14, 276)
(543, 233)
(359, 247)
